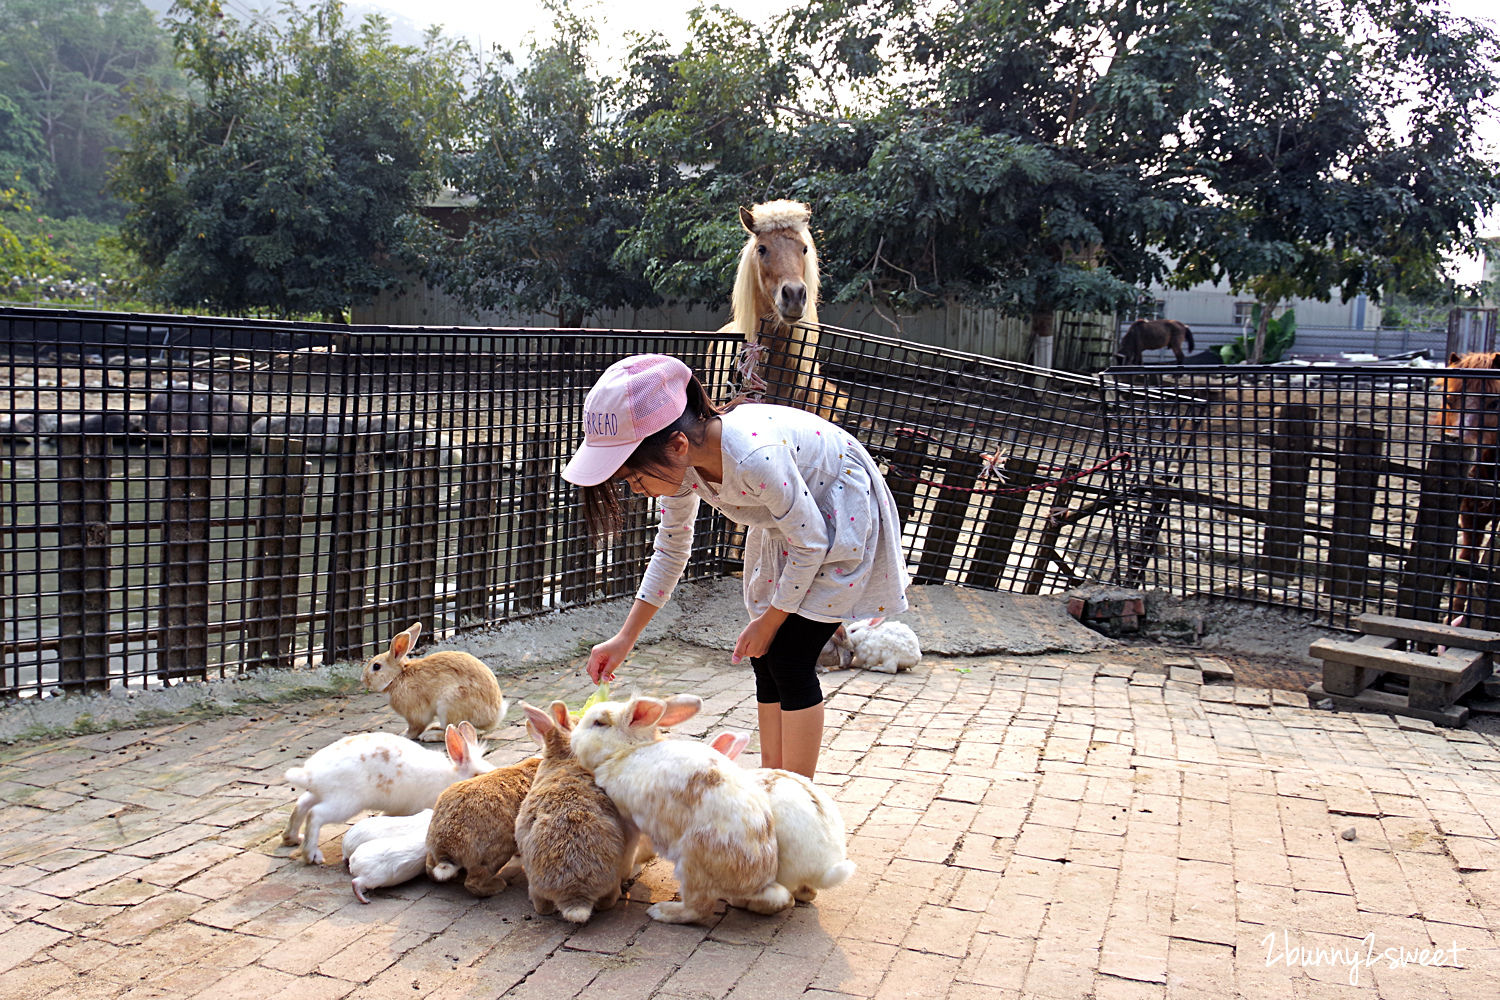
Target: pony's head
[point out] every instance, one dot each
(778, 273)
(1471, 404)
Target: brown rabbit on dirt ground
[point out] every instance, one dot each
(431, 691)
(473, 828)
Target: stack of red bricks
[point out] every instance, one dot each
(1111, 610)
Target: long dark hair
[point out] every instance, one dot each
(601, 504)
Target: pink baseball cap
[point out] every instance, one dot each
(634, 398)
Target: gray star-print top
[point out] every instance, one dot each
(824, 540)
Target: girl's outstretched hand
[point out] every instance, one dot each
(607, 656)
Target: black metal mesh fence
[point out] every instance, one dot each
(185, 499)
(1337, 490)
(190, 498)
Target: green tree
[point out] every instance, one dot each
(1046, 157)
(1339, 147)
(69, 65)
(23, 162)
(555, 185)
(282, 180)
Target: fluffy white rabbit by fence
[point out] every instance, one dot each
(877, 644)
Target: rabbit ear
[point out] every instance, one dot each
(875, 621)
(642, 712)
(468, 732)
(561, 717)
(730, 743)
(539, 722)
(404, 641)
(457, 749)
(680, 708)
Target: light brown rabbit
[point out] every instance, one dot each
(431, 691)
(473, 827)
(574, 845)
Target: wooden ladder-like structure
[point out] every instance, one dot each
(1369, 673)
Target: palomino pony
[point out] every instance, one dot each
(775, 305)
(1471, 414)
(1149, 334)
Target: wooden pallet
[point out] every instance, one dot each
(1368, 673)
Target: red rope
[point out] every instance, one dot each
(1123, 456)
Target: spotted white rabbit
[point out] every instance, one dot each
(810, 844)
(375, 771)
(701, 811)
(431, 691)
(877, 644)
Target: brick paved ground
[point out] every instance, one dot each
(1097, 826)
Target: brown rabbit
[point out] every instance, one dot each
(575, 846)
(431, 691)
(473, 827)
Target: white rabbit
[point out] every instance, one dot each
(377, 827)
(702, 812)
(884, 646)
(375, 771)
(810, 845)
(388, 860)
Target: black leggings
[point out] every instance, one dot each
(788, 672)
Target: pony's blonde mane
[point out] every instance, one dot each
(767, 217)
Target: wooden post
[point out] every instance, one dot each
(577, 555)
(478, 528)
(182, 619)
(344, 636)
(83, 536)
(1291, 461)
(279, 554)
(530, 544)
(419, 535)
(9, 674)
(946, 527)
(1355, 477)
(906, 468)
(1000, 525)
(1428, 570)
(1046, 543)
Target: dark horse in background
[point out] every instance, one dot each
(1471, 414)
(1149, 334)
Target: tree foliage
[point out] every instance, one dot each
(281, 180)
(68, 66)
(555, 185)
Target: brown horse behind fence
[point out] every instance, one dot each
(1149, 334)
(775, 305)
(1471, 414)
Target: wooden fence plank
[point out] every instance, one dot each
(417, 588)
(182, 618)
(1355, 478)
(1430, 568)
(278, 569)
(345, 605)
(1291, 441)
(947, 524)
(83, 535)
(478, 529)
(1002, 522)
(529, 545)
